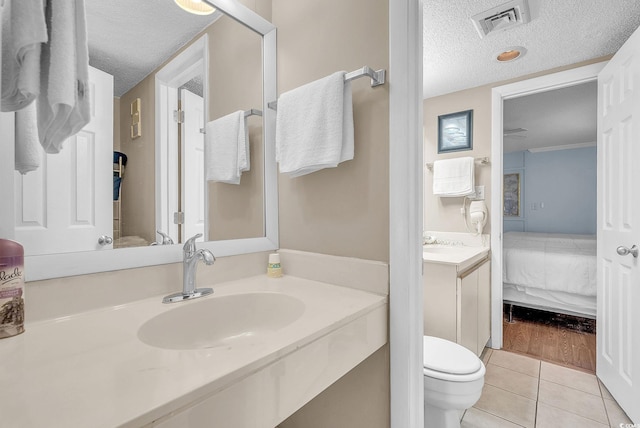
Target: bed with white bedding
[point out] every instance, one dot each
(550, 271)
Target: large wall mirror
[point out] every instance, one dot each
(140, 179)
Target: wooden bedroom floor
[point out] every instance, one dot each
(562, 339)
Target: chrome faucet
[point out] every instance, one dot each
(166, 239)
(189, 264)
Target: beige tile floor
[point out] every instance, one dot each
(525, 392)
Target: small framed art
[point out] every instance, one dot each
(455, 131)
(511, 195)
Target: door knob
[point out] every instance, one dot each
(105, 240)
(623, 251)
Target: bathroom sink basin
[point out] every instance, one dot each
(221, 321)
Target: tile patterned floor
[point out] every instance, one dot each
(525, 392)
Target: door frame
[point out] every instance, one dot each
(405, 213)
(191, 62)
(562, 79)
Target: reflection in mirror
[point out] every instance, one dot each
(236, 211)
(113, 185)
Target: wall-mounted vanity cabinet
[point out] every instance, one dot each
(457, 295)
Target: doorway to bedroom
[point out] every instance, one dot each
(549, 225)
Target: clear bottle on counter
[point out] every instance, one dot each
(274, 269)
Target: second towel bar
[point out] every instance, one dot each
(480, 161)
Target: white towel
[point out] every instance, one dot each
(80, 114)
(23, 32)
(454, 177)
(28, 150)
(63, 104)
(227, 148)
(314, 126)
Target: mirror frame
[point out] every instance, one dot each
(79, 263)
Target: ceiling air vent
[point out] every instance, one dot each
(502, 17)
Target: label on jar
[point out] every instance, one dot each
(11, 300)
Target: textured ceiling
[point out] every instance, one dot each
(560, 117)
(131, 38)
(561, 32)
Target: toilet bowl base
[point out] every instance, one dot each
(435, 417)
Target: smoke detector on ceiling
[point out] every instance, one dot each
(503, 17)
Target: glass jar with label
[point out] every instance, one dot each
(11, 288)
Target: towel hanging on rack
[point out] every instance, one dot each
(63, 104)
(23, 32)
(454, 177)
(314, 126)
(28, 150)
(378, 77)
(227, 148)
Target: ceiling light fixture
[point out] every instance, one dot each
(511, 54)
(197, 7)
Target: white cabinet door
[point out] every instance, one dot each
(468, 311)
(484, 305)
(440, 301)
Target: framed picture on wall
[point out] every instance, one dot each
(455, 131)
(511, 195)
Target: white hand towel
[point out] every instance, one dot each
(314, 126)
(28, 150)
(454, 177)
(23, 32)
(227, 148)
(63, 104)
(80, 114)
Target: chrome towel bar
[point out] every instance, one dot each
(479, 161)
(247, 113)
(378, 77)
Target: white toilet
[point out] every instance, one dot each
(453, 380)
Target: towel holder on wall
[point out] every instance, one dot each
(252, 112)
(479, 161)
(247, 113)
(378, 77)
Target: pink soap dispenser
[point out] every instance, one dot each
(11, 288)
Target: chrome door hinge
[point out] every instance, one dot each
(178, 116)
(178, 218)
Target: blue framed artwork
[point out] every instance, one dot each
(455, 131)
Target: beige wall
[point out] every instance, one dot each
(235, 70)
(443, 214)
(116, 124)
(345, 210)
(341, 211)
(138, 185)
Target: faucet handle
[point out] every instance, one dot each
(190, 246)
(166, 239)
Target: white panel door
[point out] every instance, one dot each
(66, 204)
(618, 319)
(193, 182)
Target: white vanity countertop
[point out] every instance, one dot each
(460, 255)
(91, 370)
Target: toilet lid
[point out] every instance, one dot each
(448, 357)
